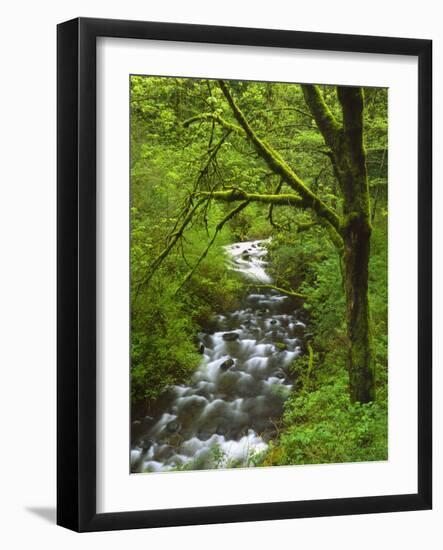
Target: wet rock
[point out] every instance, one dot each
(251, 405)
(175, 439)
(230, 336)
(190, 409)
(227, 383)
(273, 321)
(165, 452)
(222, 429)
(212, 325)
(227, 364)
(201, 349)
(249, 392)
(186, 434)
(147, 420)
(173, 426)
(238, 433)
(136, 423)
(204, 338)
(146, 444)
(262, 426)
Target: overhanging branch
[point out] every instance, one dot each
(279, 166)
(232, 195)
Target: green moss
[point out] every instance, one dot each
(281, 346)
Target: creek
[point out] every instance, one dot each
(228, 412)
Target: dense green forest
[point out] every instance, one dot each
(305, 166)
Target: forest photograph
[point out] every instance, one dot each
(259, 282)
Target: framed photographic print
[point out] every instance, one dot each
(244, 274)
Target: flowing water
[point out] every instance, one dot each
(227, 413)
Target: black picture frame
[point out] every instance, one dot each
(76, 265)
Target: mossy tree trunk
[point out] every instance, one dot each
(360, 353)
(348, 157)
(356, 231)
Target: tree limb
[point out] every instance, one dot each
(232, 195)
(305, 226)
(325, 120)
(279, 166)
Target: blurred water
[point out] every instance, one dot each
(227, 413)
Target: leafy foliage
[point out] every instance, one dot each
(170, 160)
(320, 424)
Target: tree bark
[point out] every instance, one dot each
(348, 157)
(360, 352)
(356, 231)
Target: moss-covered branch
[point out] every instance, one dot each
(279, 166)
(213, 117)
(305, 226)
(325, 120)
(232, 195)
